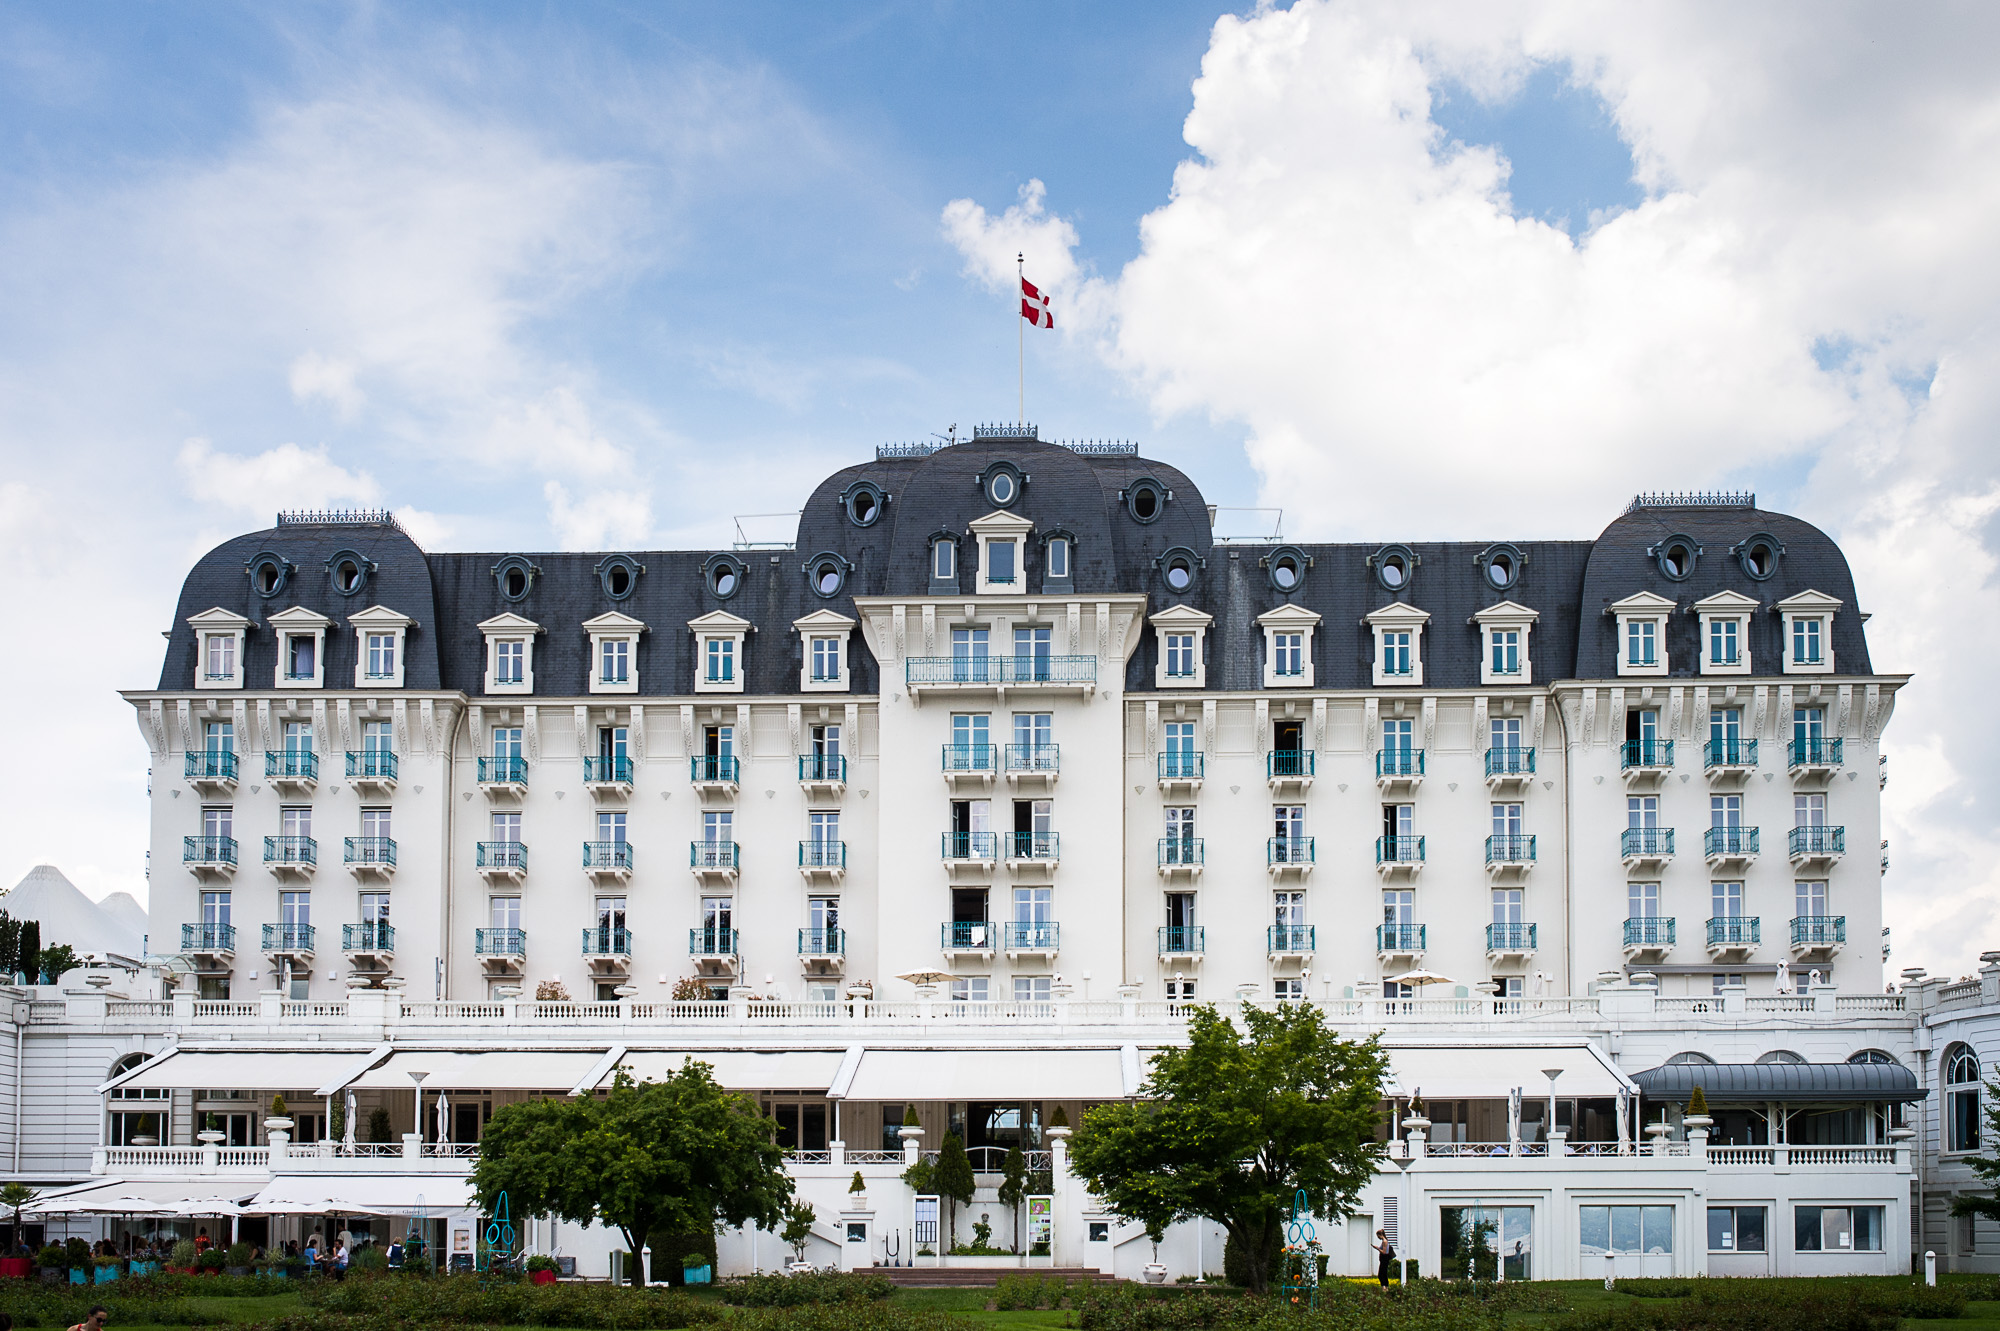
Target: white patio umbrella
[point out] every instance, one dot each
(347, 1122)
(444, 1133)
(925, 977)
(1419, 977)
(1623, 1115)
(1514, 1120)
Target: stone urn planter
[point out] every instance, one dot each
(1156, 1273)
(1697, 1122)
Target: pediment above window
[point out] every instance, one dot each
(1400, 614)
(1289, 616)
(1723, 602)
(1507, 612)
(613, 622)
(1000, 523)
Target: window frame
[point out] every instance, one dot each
(1397, 618)
(509, 628)
(825, 626)
(299, 622)
(1731, 611)
(380, 621)
(1641, 608)
(606, 630)
(718, 629)
(1506, 617)
(1804, 607)
(1181, 621)
(217, 625)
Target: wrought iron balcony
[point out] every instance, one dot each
(1510, 762)
(288, 938)
(1288, 764)
(971, 759)
(209, 851)
(215, 938)
(1181, 851)
(822, 942)
(1819, 931)
(1645, 754)
(1817, 843)
(1177, 766)
(606, 941)
(1727, 843)
(1804, 754)
(1034, 845)
(823, 769)
(607, 771)
(1030, 935)
(619, 857)
(1649, 931)
(719, 856)
(715, 769)
(1183, 940)
(1653, 843)
(1402, 939)
(1510, 938)
(370, 850)
(1394, 764)
(1288, 850)
(1290, 939)
(822, 854)
(373, 936)
(1399, 850)
(966, 935)
(500, 942)
(297, 765)
(204, 767)
(969, 846)
(1042, 759)
(372, 767)
(930, 671)
(501, 855)
(284, 851)
(1731, 753)
(1735, 931)
(1510, 848)
(712, 941)
(503, 771)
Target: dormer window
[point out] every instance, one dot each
(614, 652)
(510, 653)
(1641, 619)
(1504, 655)
(1002, 537)
(944, 560)
(1808, 633)
(1288, 634)
(823, 639)
(1057, 573)
(218, 640)
(719, 661)
(1398, 629)
(1181, 630)
(301, 638)
(1001, 562)
(1725, 623)
(379, 638)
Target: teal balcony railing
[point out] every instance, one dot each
(1293, 938)
(1817, 841)
(291, 850)
(1735, 931)
(208, 938)
(1399, 850)
(1288, 763)
(966, 935)
(1645, 753)
(922, 670)
(1819, 931)
(1729, 753)
(1399, 762)
(1034, 846)
(369, 850)
(1031, 935)
(1510, 762)
(371, 765)
(822, 942)
(501, 855)
(1034, 757)
(1181, 850)
(499, 942)
(614, 855)
(1650, 931)
(291, 765)
(970, 846)
(288, 938)
(714, 855)
(1510, 938)
(1288, 850)
(712, 940)
(372, 936)
(1182, 940)
(1729, 841)
(208, 850)
(206, 765)
(1813, 753)
(822, 854)
(607, 941)
(1510, 848)
(1175, 766)
(1653, 841)
(823, 767)
(607, 771)
(972, 758)
(714, 769)
(503, 771)
(1399, 938)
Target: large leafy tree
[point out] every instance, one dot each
(678, 1154)
(1233, 1126)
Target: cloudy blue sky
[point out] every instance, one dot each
(583, 275)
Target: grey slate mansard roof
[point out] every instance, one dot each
(1570, 584)
(1754, 1083)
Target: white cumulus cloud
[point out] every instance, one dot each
(284, 477)
(604, 519)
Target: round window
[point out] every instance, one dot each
(1500, 570)
(1395, 566)
(1759, 557)
(1145, 500)
(723, 580)
(1177, 568)
(863, 502)
(1677, 555)
(347, 576)
(826, 574)
(267, 574)
(1001, 488)
(515, 577)
(618, 580)
(1179, 576)
(1285, 572)
(1395, 571)
(517, 582)
(1286, 567)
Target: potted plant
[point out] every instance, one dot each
(236, 1260)
(280, 1119)
(181, 1256)
(106, 1269)
(695, 1269)
(1697, 1116)
(1156, 1270)
(209, 1263)
(53, 1263)
(857, 1193)
(211, 1133)
(541, 1270)
(15, 1196)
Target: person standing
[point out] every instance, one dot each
(1385, 1256)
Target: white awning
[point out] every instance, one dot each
(739, 1069)
(990, 1074)
(385, 1194)
(144, 1197)
(495, 1070)
(246, 1070)
(1488, 1072)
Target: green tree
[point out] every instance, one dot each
(799, 1219)
(28, 950)
(10, 942)
(1237, 1123)
(56, 961)
(15, 1196)
(1014, 1188)
(954, 1182)
(378, 1126)
(682, 1153)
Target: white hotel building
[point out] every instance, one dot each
(1007, 712)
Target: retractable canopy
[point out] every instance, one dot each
(990, 1074)
(739, 1070)
(1489, 1072)
(490, 1070)
(1758, 1083)
(387, 1194)
(145, 1197)
(247, 1070)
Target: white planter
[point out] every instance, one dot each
(1156, 1273)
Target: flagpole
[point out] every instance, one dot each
(1021, 334)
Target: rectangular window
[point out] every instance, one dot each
(1397, 738)
(216, 821)
(1725, 811)
(507, 828)
(1180, 655)
(1000, 561)
(299, 657)
(215, 908)
(1805, 642)
(1625, 1229)
(1506, 651)
(614, 661)
(824, 828)
(717, 912)
(823, 914)
(381, 655)
(1180, 824)
(1726, 725)
(1809, 810)
(298, 737)
(1399, 907)
(1289, 649)
(1962, 1118)
(1180, 737)
(1722, 980)
(294, 908)
(1722, 641)
(1736, 1229)
(1032, 989)
(1837, 1229)
(1809, 723)
(1396, 653)
(504, 912)
(1031, 652)
(296, 820)
(1725, 901)
(375, 737)
(510, 657)
(717, 828)
(218, 738)
(1289, 909)
(1486, 1242)
(1507, 820)
(1288, 989)
(375, 823)
(1809, 899)
(1058, 558)
(1034, 905)
(1179, 990)
(826, 742)
(971, 989)
(944, 560)
(610, 826)
(721, 659)
(506, 742)
(825, 660)
(1034, 731)
(718, 742)
(1640, 649)
(374, 907)
(1180, 910)
(1505, 734)
(610, 913)
(1642, 811)
(1507, 906)
(1288, 822)
(970, 733)
(221, 655)
(968, 655)
(1642, 901)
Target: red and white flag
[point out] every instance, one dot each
(1035, 306)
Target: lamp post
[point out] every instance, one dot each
(418, 1078)
(1549, 1129)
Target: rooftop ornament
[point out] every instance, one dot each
(343, 517)
(1693, 499)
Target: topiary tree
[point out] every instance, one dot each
(954, 1182)
(1059, 1119)
(1697, 1102)
(1014, 1188)
(277, 1106)
(798, 1228)
(910, 1116)
(858, 1185)
(378, 1125)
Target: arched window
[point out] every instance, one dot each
(1961, 1098)
(1690, 1056)
(1872, 1056)
(1780, 1056)
(138, 1117)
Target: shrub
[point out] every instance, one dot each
(781, 1291)
(538, 1262)
(237, 1254)
(551, 991)
(1059, 1119)
(378, 1126)
(467, 1298)
(859, 1184)
(368, 1257)
(52, 1255)
(210, 1261)
(182, 1254)
(1022, 1293)
(277, 1106)
(76, 1253)
(1697, 1102)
